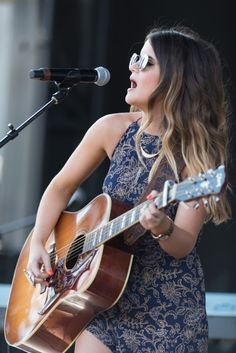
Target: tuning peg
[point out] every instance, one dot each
(216, 198)
(192, 179)
(202, 176)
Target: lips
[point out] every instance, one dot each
(133, 84)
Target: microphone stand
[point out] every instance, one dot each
(57, 98)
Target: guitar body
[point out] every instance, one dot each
(50, 319)
(91, 268)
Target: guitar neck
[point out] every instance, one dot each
(203, 184)
(116, 226)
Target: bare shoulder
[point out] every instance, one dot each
(111, 128)
(118, 120)
(98, 142)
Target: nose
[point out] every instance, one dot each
(134, 67)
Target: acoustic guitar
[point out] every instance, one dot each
(90, 269)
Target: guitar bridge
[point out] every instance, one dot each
(63, 280)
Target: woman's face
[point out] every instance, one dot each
(143, 81)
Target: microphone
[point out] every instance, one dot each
(100, 75)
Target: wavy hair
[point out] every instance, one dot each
(194, 105)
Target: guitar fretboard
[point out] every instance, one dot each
(191, 188)
(116, 226)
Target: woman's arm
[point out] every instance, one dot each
(98, 142)
(187, 225)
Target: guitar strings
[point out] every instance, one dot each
(80, 241)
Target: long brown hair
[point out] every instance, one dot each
(194, 104)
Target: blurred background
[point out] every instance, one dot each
(87, 34)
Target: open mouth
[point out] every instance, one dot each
(133, 84)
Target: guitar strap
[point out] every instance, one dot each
(164, 172)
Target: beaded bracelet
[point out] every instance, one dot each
(165, 235)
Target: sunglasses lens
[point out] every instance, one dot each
(143, 62)
(140, 60)
(134, 59)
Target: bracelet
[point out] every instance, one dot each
(165, 235)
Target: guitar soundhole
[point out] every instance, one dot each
(74, 251)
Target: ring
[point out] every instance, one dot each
(30, 277)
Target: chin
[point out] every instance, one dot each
(129, 100)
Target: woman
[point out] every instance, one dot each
(178, 103)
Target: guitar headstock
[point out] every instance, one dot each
(204, 184)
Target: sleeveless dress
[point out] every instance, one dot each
(162, 308)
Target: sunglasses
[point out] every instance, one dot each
(140, 61)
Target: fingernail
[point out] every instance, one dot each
(150, 197)
(50, 272)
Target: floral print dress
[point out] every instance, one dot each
(163, 306)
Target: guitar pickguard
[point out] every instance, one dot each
(63, 280)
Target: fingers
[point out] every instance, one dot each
(152, 216)
(47, 264)
(36, 276)
(153, 194)
(39, 267)
(30, 277)
(153, 211)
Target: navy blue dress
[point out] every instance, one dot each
(163, 306)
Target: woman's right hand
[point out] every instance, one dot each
(39, 265)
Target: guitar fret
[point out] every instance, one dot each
(87, 242)
(126, 222)
(141, 208)
(137, 213)
(91, 240)
(116, 226)
(99, 235)
(94, 239)
(110, 228)
(122, 222)
(105, 232)
(132, 216)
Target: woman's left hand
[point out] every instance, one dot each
(154, 219)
